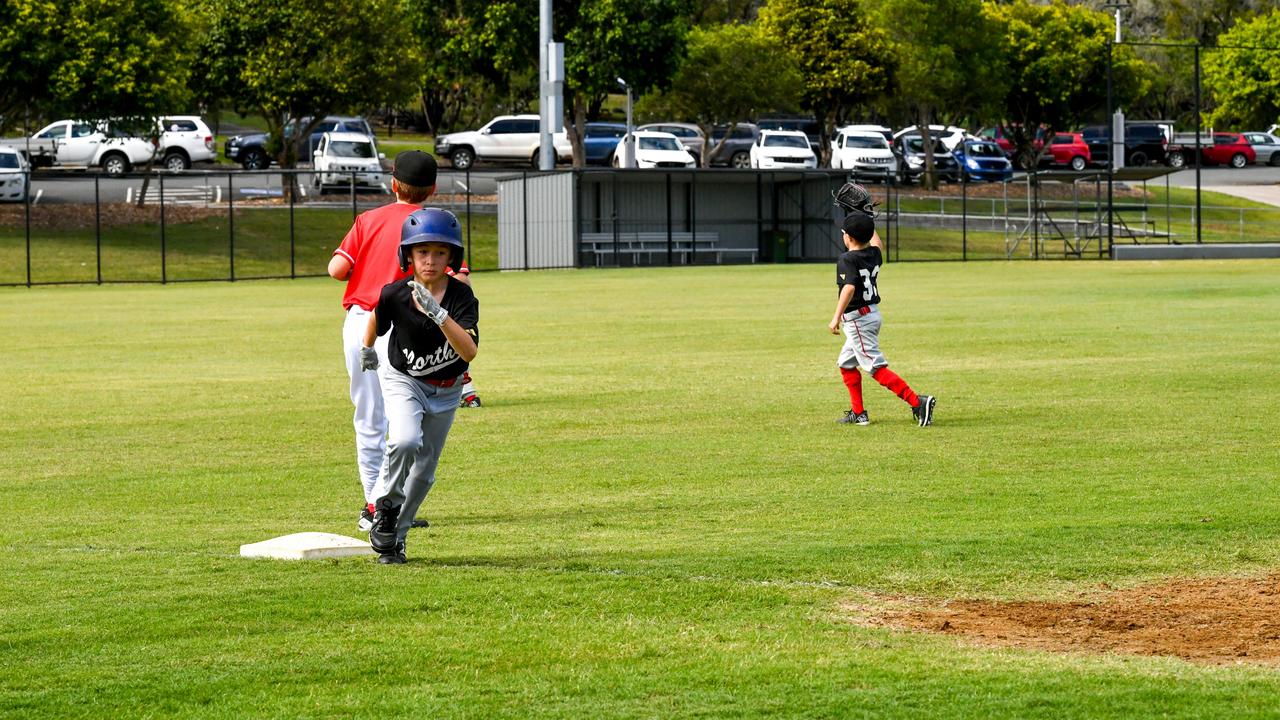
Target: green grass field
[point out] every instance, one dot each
(654, 515)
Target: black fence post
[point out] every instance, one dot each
(470, 261)
(26, 210)
(354, 210)
(164, 250)
(670, 244)
(97, 226)
(1199, 209)
(964, 215)
(293, 197)
(231, 226)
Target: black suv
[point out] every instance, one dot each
(911, 159)
(251, 150)
(1144, 144)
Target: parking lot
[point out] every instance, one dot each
(217, 186)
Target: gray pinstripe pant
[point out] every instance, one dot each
(418, 420)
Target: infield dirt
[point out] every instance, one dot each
(1210, 620)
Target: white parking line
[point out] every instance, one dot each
(36, 199)
(302, 188)
(128, 196)
(384, 187)
(217, 194)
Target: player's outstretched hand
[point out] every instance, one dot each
(368, 358)
(427, 303)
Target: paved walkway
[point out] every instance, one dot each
(1269, 194)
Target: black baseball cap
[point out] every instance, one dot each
(859, 226)
(416, 168)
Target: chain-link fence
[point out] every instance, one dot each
(207, 225)
(236, 225)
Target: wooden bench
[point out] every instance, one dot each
(684, 244)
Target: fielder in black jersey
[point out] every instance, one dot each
(434, 324)
(857, 277)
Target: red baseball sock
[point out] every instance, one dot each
(853, 381)
(896, 385)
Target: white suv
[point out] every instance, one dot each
(782, 149)
(185, 139)
(85, 144)
(865, 152)
(506, 138)
(340, 156)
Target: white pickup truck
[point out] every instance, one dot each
(78, 144)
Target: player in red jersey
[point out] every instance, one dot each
(368, 259)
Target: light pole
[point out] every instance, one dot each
(628, 142)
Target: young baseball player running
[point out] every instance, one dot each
(433, 321)
(367, 261)
(856, 275)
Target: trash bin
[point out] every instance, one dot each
(777, 241)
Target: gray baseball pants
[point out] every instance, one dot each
(418, 420)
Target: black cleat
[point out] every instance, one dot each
(924, 411)
(382, 536)
(395, 557)
(852, 418)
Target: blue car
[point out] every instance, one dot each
(601, 140)
(983, 160)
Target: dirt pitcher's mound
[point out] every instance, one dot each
(1218, 620)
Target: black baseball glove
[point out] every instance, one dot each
(852, 197)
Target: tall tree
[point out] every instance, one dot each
(1244, 75)
(93, 59)
(477, 56)
(640, 41)
(946, 69)
(289, 59)
(731, 74)
(1056, 57)
(844, 60)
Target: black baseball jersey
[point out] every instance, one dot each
(859, 268)
(417, 346)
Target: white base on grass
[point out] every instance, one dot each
(307, 546)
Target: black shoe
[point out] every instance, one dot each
(924, 411)
(852, 418)
(395, 557)
(366, 518)
(419, 523)
(382, 536)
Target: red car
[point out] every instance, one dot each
(1229, 149)
(1068, 149)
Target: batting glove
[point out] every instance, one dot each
(428, 303)
(368, 358)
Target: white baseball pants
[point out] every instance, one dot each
(370, 420)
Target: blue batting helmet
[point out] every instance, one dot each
(430, 225)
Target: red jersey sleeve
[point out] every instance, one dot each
(350, 247)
